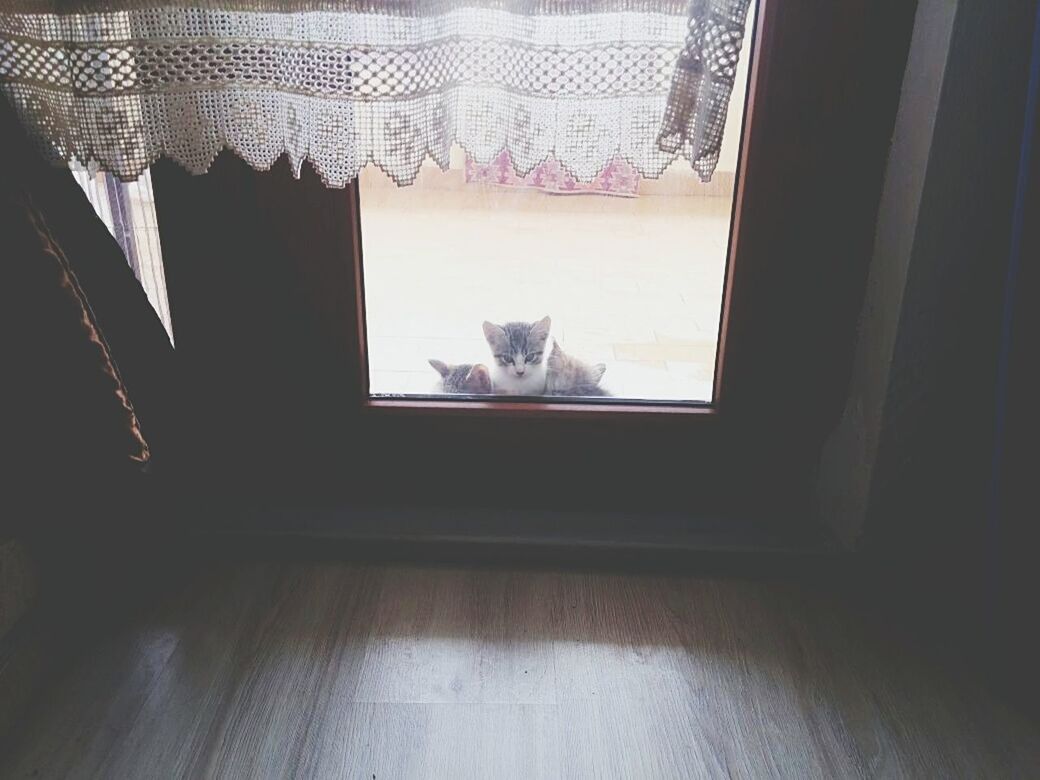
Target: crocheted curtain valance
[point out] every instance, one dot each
(114, 84)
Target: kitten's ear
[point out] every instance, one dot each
(598, 371)
(493, 333)
(478, 380)
(440, 367)
(540, 329)
(556, 351)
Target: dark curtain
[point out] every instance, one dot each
(89, 370)
(88, 424)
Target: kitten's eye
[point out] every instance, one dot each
(534, 357)
(505, 360)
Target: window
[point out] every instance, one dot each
(128, 211)
(263, 271)
(485, 280)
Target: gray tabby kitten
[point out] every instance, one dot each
(463, 379)
(519, 351)
(569, 376)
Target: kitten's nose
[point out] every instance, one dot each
(519, 369)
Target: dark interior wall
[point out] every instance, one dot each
(928, 495)
(849, 453)
(261, 328)
(1014, 524)
(920, 505)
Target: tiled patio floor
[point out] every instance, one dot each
(634, 283)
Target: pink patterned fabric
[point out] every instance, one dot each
(618, 178)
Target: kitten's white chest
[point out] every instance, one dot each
(508, 383)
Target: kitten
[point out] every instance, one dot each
(519, 352)
(463, 379)
(569, 376)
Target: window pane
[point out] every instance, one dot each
(629, 272)
(128, 211)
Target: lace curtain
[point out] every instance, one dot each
(114, 84)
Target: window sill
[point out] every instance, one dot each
(599, 408)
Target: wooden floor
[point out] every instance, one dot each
(260, 670)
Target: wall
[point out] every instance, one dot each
(911, 475)
(848, 458)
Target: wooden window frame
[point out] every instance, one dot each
(266, 293)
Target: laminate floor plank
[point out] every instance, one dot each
(310, 643)
(437, 740)
(91, 705)
(631, 648)
(173, 731)
(330, 670)
(94, 704)
(460, 636)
